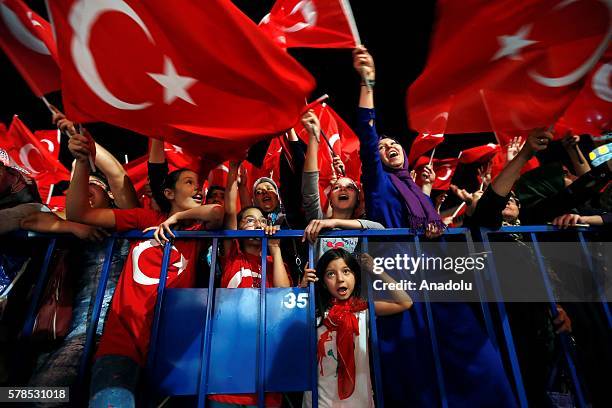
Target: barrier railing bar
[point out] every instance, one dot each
(158, 304)
(378, 384)
(206, 338)
(92, 327)
(312, 332)
(432, 335)
(501, 307)
(567, 350)
(261, 355)
(480, 287)
(600, 291)
(28, 326)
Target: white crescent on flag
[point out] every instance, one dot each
(21, 33)
(582, 70)
(82, 17)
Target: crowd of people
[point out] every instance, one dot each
(387, 196)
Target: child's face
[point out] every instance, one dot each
(252, 219)
(344, 194)
(186, 193)
(265, 197)
(339, 279)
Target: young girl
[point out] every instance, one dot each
(241, 265)
(125, 341)
(343, 197)
(342, 348)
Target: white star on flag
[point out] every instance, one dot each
(175, 85)
(512, 44)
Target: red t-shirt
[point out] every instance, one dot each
(243, 270)
(128, 327)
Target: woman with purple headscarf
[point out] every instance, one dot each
(471, 367)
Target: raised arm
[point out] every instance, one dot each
(231, 195)
(580, 164)
(78, 208)
(373, 176)
(537, 140)
(310, 176)
(120, 184)
(157, 169)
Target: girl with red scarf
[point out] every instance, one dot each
(342, 348)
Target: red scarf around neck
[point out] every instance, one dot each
(341, 319)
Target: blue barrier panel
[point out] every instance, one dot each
(178, 360)
(235, 323)
(288, 355)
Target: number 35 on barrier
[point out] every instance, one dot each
(291, 300)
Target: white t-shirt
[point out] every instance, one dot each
(362, 396)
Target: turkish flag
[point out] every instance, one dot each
(423, 143)
(520, 62)
(479, 154)
(591, 111)
(311, 24)
(27, 39)
(344, 142)
(34, 156)
(444, 169)
(51, 139)
(197, 74)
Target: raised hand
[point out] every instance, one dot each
(311, 124)
(537, 140)
(514, 147)
(364, 63)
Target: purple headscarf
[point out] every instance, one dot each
(421, 211)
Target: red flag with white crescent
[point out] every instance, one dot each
(131, 63)
(311, 24)
(591, 111)
(27, 39)
(530, 57)
(444, 169)
(51, 139)
(344, 142)
(479, 154)
(34, 156)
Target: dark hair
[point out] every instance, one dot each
(322, 296)
(212, 189)
(243, 210)
(170, 182)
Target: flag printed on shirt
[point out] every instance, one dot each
(526, 60)
(27, 39)
(131, 63)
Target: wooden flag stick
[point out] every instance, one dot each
(457, 210)
(433, 152)
(50, 194)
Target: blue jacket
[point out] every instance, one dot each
(383, 202)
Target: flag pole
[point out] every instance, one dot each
(331, 149)
(50, 194)
(457, 210)
(433, 152)
(92, 165)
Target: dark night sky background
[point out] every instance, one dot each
(397, 33)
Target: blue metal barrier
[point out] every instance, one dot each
(181, 365)
(532, 232)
